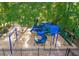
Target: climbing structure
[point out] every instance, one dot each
(43, 29)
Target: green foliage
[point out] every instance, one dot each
(66, 15)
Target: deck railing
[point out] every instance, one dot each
(39, 52)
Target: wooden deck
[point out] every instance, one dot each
(25, 38)
(25, 45)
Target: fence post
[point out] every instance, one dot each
(3, 52)
(44, 46)
(50, 52)
(53, 37)
(50, 48)
(38, 49)
(10, 43)
(56, 40)
(21, 51)
(67, 51)
(16, 34)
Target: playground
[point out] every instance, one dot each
(23, 38)
(40, 30)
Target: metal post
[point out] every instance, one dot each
(50, 52)
(3, 52)
(16, 34)
(38, 49)
(21, 51)
(44, 46)
(53, 37)
(36, 21)
(67, 51)
(10, 43)
(56, 40)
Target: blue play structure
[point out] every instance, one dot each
(43, 29)
(10, 42)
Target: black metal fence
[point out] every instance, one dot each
(40, 52)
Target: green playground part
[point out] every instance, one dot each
(68, 38)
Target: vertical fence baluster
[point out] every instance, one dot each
(67, 51)
(21, 51)
(53, 37)
(56, 40)
(50, 52)
(38, 51)
(10, 43)
(3, 52)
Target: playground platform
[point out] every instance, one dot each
(25, 44)
(26, 40)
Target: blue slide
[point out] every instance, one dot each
(44, 38)
(44, 28)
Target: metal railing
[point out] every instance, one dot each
(40, 52)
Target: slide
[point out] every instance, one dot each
(42, 40)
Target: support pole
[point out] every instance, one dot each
(38, 49)
(16, 34)
(67, 51)
(10, 43)
(44, 46)
(56, 40)
(53, 37)
(3, 51)
(21, 51)
(50, 51)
